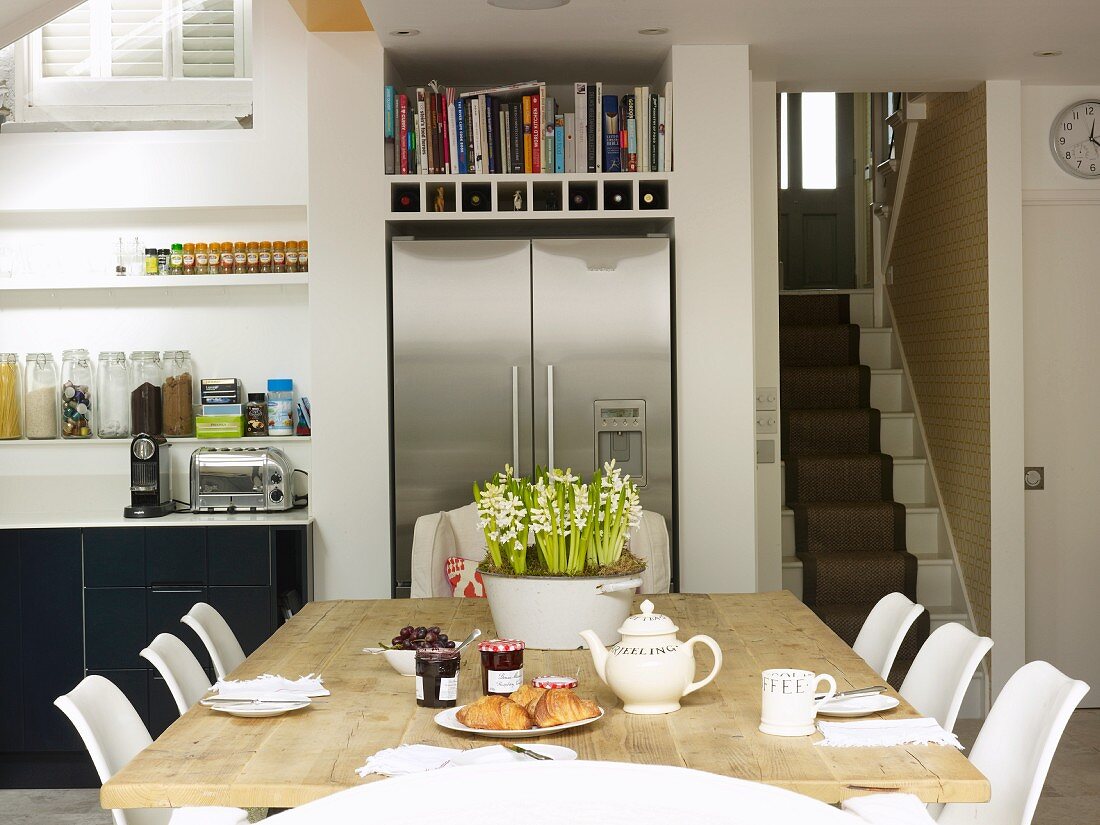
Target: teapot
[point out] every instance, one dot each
(649, 669)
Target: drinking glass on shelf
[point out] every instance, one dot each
(7, 261)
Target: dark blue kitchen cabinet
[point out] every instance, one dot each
(239, 556)
(250, 611)
(114, 557)
(175, 556)
(115, 627)
(11, 648)
(165, 607)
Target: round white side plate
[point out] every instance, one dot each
(448, 719)
(858, 705)
(500, 755)
(257, 710)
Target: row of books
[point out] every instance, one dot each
(519, 129)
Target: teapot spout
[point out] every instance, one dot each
(599, 653)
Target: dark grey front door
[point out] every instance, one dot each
(817, 220)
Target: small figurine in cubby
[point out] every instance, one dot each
(438, 200)
(517, 201)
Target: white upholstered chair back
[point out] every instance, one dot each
(438, 536)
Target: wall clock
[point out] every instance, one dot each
(1075, 139)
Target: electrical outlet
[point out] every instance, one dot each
(767, 423)
(765, 451)
(766, 398)
(1035, 478)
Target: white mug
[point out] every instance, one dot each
(788, 707)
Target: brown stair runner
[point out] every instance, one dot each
(849, 532)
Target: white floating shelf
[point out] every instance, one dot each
(253, 441)
(103, 282)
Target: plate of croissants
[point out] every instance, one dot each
(530, 711)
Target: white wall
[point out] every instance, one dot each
(1062, 338)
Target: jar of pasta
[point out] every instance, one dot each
(10, 423)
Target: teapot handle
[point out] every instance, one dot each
(717, 651)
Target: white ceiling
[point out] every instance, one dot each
(863, 45)
(21, 17)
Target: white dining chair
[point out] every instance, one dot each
(580, 793)
(943, 669)
(884, 630)
(114, 734)
(216, 636)
(179, 668)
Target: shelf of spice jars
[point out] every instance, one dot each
(50, 284)
(252, 441)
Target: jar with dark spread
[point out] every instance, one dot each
(501, 666)
(437, 677)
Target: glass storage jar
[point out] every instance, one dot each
(40, 382)
(76, 394)
(10, 398)
(145, 394)
(112, 396)
(501, 666)
(177, 394)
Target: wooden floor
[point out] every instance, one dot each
(1072, 792)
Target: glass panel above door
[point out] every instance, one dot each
(818, 140)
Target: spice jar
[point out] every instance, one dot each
(278, 257)
(252, 258)
(202, 259)
(162, 261)
(303, 256)
(501, 666)
(145, 393)
(177, 393)
(40, 383)
(76, 394)
(10, 425)
(225, 264)
(175, 260)
(255, 417)
(240, 258)
(152, 267)
(437, 677)
(112, 397)
(188, 259)
(265, 256)
(291, 256)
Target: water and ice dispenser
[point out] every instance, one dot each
(620, 434)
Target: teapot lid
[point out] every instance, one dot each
(647, 623)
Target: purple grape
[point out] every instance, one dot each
(396, 641)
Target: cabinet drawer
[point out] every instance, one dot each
(239, 556)
(175, 556)
(249, 611)
(167, 605)
(115, 627)
(135, 686)
(114, 557)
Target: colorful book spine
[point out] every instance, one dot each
(597, 89)
(482, 122)
(515, 132)
(631, 134)
(502, 137)
(611, 162)
(491, 140)
(440, 134)
(580, 128)
(475, 120)
(452, 132)
(669, 159)
(654, 125)
(421, 131)
(661, 135)
(460, 135)
(536, 135)
(592, 127)
(549, 112)
(559, 143)
(527, 142)
(403, 132)
(570, 143)
(390, 128)
(471, 165)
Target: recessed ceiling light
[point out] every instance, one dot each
(654, 31)
(1048, 53)
(527, 5)
(405, 32)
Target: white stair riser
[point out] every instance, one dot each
(923, 532)
(899, 435)
(861, 307)
(912, 482)
(889, 393)
(876, 349)
(935, 581)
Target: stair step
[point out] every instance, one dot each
(912, 481)
(924, 531)
(819, 346)
(935, 586)
(877, 348)
(900, 436)
(889, 392)
(861, 302)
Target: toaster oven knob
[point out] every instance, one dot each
(276, 495)
(276, 478)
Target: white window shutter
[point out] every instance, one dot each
(67, 44)
(138, 30)
(208, 43)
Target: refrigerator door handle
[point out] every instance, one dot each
(515, 420)
(550, 415)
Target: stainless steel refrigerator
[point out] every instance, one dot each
(527, 352)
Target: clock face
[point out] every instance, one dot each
(1075, 139)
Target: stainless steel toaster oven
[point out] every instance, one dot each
(241, 478)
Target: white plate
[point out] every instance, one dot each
(500, 755)
(283, 697)
(257, 710)
(858, 705)
(448, 719)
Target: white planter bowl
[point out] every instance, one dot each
(549, 612)
(403, 661)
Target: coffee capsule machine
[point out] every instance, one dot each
(150, 478)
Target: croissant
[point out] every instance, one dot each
(528, 697)
(557, 707)
(495, 713)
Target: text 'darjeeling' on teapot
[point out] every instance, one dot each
(649, 669)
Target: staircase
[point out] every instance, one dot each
(859, 521)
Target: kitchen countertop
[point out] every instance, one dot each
(114, 518)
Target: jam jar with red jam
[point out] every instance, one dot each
(501, 666)
(437, 677)
(554, 682)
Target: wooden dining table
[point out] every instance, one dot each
(210, 758)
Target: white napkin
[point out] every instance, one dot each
(879, 733)
(267, 685)
(408, 759)
(889, 809)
